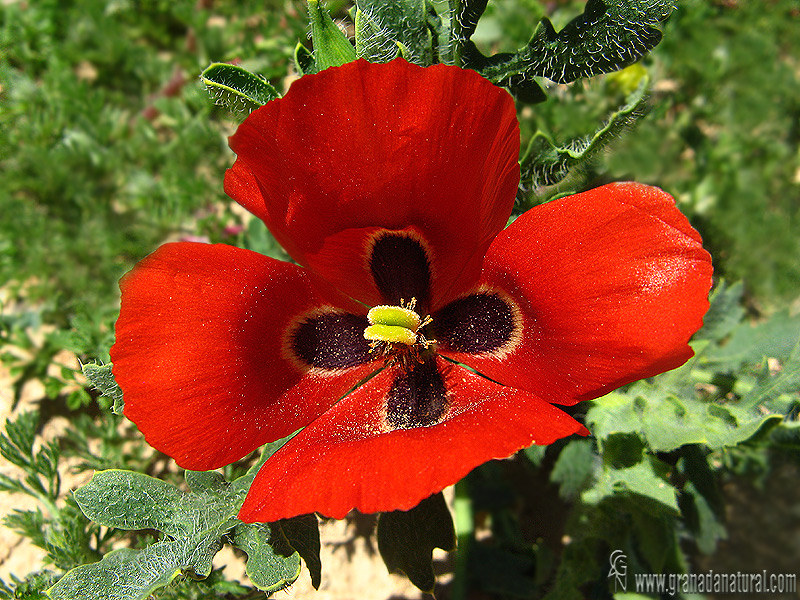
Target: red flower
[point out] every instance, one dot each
(388, 182)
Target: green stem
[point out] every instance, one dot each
(465, 530)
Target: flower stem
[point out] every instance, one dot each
(465, 528)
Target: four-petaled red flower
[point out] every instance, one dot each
(387, 183)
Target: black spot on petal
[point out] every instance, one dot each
(417, 398)
(401, 268)
(482, 322)
(332, 341)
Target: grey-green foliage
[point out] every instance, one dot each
(194, 525)
(102, 379)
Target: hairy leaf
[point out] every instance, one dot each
(724, 314)
(785, 381)
(194, 525)
(237, 89)
(129, 574)
(384, 29)
(707, 528)
(545, 164)
(304, 60)
(102, 379)
(645, 479)
(303, 534)
(464, 15)
(609, 35)
(573, 467)
(666, 422)
(749, 344)
(272, 564)
(331, 46)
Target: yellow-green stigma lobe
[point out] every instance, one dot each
(393, 324)
(395, 316)
(390, 333)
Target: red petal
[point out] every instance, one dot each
(364, 147)
(202, 356)
(348, 459)
(610, 284)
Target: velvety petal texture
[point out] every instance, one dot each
(351, 156)
(348, 458)
(604, 288)
(220, 350)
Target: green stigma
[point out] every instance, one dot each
(390, 333)
(394, 324)
(396, 316)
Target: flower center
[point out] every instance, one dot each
(394, 333)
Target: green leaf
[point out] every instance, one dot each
(574, 466)
(331, 46)
(656, 537)
(545, 164)
(608, 36)
(406, 539)
(237, 89)
(703, 521)
(769, 386)
(383, 28)
(303, 534)
(724, 314)
(749, 344)
(102, 379)
(194, 525)
(304, 60)
(645, 479)
(201, 481)
(535, 454)
(272, 564)
(130, 500)
(128, 574)
(666, 422)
